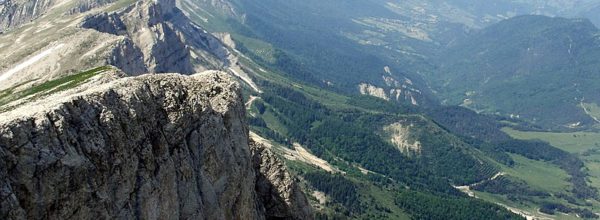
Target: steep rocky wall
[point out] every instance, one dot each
(145, 36)
(152, 147)
(153, 38)
(162, 37)
(278, 191)
(128, 57)
(14, 13)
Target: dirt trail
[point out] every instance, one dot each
(312, 159)
(587, 112)
(250, 101)
(299, 153)
(467, 190)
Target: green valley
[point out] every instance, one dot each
(370, 109)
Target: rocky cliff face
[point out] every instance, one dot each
(137, 37)
(278, 192)
(162, 34)
(152, 147)
(86, 5)
(14, 13)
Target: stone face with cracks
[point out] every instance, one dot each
(278, 192)
(153, 147)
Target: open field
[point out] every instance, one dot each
(585, 144)
(539, 174)
(575, 142)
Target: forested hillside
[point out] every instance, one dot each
(379, 109)
(540, 69)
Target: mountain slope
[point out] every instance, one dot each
(314, 47)
(351, 46)
(155, 146)
(338, 96)
(482, 14)
(537, 68)
(137, 37)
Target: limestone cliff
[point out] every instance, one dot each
(152, 147)
(161, 35)
(278, 191)
(137, 37)
(14, 13)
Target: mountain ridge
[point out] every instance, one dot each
(111, 143)
(341, 101)
(532, 67)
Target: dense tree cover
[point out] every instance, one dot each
(260, 106)
(486, 135)
(338, 188)
(491, 150)
(425, 206)
(508, 186)
(537, 67)
(480, 131)
(443, 154)
(355, 137)
(298, 115)
(380, 105)
(351, 143)
(258, 122)
(283, 64)
(449, 156)
(465, 122)
(551, 208)
(332, 216)
(535, 150)
(538, 150)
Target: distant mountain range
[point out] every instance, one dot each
(537, 68)
(357, 109)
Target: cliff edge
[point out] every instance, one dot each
(162, 146)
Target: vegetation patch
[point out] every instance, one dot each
(512, 187)
(340, 189)
(539, 174)
(551, 209)
(537, 150)
(426, 206)
(49, 87)
(593, 110)
(574, 142)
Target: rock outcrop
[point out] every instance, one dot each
(14, 13)
(278, 191)
(137, 37)
(165, 38)
(162, 146)
(86, 5)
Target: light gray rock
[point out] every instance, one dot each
(145, 36)
(14, 13)
(149, 36)
(162, 146)
(159, 34)
(278, 191)
(86, 5)
(126, 56)
(106, 23)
